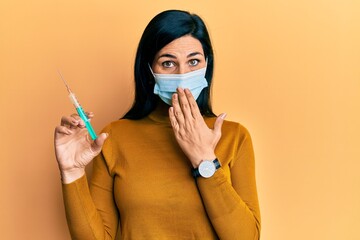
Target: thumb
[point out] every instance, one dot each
(99, 142)
(219, 122)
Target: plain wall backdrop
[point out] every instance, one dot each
(289, 71)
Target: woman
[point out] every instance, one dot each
(170, 169)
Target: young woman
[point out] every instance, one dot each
(169, 169)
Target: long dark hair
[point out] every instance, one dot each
(161, 30)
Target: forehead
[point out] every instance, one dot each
(182, 46)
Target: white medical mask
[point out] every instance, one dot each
(166, 84)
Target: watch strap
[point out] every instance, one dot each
(196, 173)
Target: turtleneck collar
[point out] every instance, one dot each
(160, 113)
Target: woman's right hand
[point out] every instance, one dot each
(74, 148)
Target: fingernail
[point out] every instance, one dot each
(223, 115)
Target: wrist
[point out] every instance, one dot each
(69, 176)
(210, 156)
(206, 169)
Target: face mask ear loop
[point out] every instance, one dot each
(151, 70)
(206, 61)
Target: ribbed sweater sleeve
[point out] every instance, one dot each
(91, 212)
(233, 207)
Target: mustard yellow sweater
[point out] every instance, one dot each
(142, 183)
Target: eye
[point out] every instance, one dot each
(168, 64)
(194, 62)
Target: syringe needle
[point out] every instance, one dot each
(62, 78)
(79, 109)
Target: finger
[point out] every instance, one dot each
(177, 110)
(79, 120)
(75, 115)
(219, 122)
(172, 118)
(69, 121)
(184, 103)
(89, 115)
(63, 130)
(99, 142)
(195, 111)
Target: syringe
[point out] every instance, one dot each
(79, 110)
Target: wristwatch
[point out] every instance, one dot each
(206, 169)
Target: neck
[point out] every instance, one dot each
(162, 106)
(161, 112)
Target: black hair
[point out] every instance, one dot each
(161, 30)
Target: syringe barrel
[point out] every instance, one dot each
(83, 116)
(87, 122)
(74, 100)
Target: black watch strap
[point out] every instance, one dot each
(196, 173)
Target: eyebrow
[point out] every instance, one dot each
(174, 57)
(194, 54)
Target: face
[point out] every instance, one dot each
(182, 55)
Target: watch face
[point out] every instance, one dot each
(207, 169)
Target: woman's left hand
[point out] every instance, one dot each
(196, 140)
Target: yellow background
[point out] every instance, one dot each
(287, 70)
